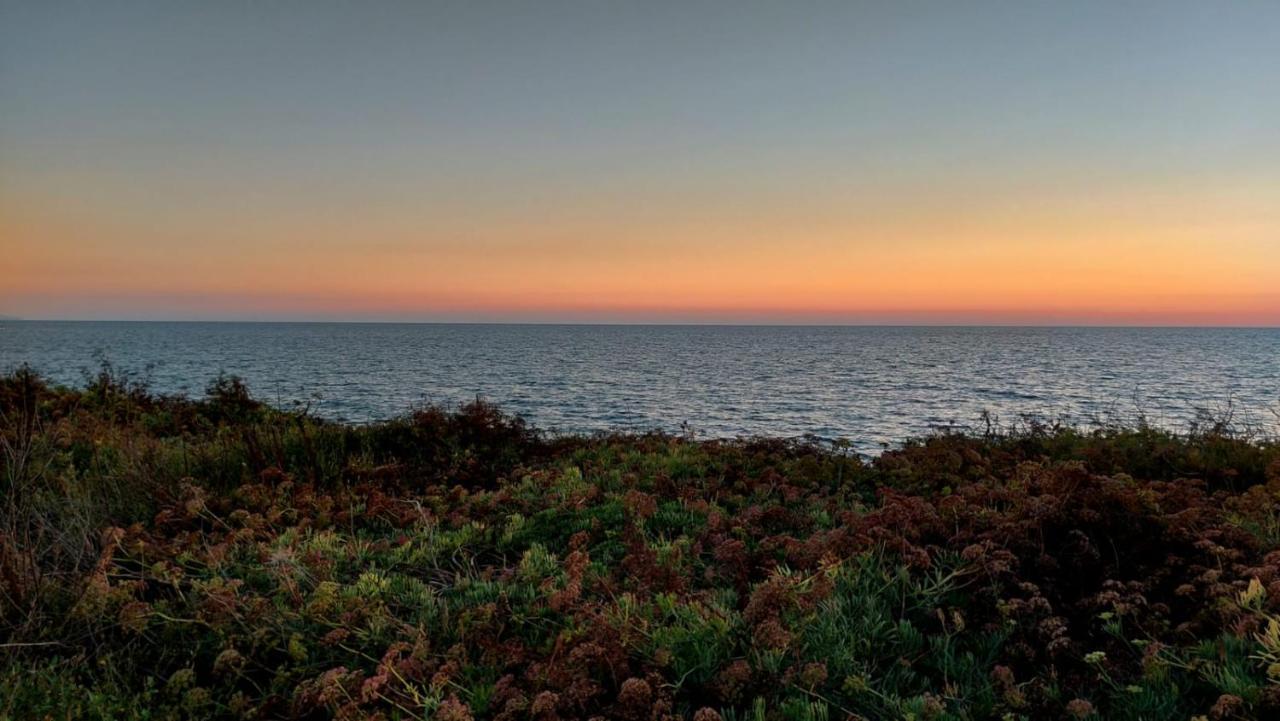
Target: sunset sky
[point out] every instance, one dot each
(850, 162)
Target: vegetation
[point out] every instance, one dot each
(163, 558)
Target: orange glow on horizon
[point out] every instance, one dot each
(863, 162)
(1172, 259)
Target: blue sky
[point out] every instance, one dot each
(441, 160)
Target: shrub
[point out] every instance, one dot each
(218, 558)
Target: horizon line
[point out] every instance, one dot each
(623, 323)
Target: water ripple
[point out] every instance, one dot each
(871, 385)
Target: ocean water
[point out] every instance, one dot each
(871, 385)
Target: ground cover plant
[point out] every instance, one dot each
(163, 558)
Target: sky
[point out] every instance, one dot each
(789, 162)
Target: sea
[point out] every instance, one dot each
(872, 386)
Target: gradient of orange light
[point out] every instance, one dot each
(1166, 254)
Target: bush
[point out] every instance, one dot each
(218, 558)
